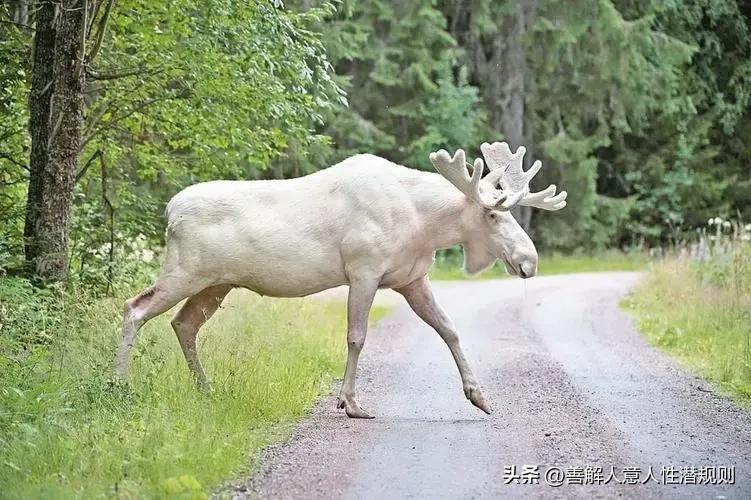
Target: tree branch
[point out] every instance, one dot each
(82, 171)
(111, 209)
(7, 156)
(92, 19)
(95, 75)
(111, 123)
(15, 23)
(100, 31)
(93, 122)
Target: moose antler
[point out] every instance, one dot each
(505, 170)
(475, 188)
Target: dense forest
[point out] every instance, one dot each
(640, 110)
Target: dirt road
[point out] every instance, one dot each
(572, 385)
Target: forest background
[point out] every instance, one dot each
(640, 109)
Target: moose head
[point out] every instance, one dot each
(505, 186)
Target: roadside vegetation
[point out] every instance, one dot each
(448, 264)
(68, 431)
(697, 307)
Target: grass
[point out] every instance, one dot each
(450, 267)
(68, 431)
(701, 314)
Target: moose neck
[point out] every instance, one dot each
(453, 222)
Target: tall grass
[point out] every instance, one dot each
(68, 431)
(697, 306)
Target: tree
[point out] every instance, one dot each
(185, 92)
(633, 104)
(493, 34)
(709, 160)
(639, 108)
(409, 94)
(56, 140)
(56, 103)
(171, 93)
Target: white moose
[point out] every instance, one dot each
(365, 222)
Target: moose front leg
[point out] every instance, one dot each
(359, 301)
(419, 296)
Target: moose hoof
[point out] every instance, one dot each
(477, 399)
(205, 389)
(203, 385)
(351, 408)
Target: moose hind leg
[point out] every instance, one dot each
(194, 313)
(155, 300)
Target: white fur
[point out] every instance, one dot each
(365, 215)
(365, 222)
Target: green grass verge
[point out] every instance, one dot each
(67, 432)
(702, 321)
(450, 268)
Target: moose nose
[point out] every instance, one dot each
(527, 270)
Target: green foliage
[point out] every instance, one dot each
(28, 316)
(720, 74)
(624, 104)
(68, 431)
(599, 79)
(180, 92)
(574, 225)
(222, 90)
(408, 93)
(14, 142)
(451, 117)
(686, 167)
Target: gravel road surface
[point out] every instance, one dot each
(574, 388)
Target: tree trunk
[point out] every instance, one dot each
(498, 60)
(513, 93)
(43, 56)
(49, 225)
(18, 12)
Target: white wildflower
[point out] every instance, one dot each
(748, 228)
(746, 237)
(710, 221)
(726, 224)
